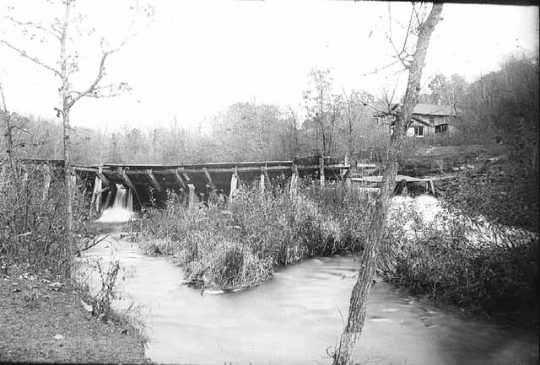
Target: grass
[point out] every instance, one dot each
(32, 313)
(241, 247)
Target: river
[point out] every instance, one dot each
(295, 317)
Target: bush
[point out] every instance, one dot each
(32, 219)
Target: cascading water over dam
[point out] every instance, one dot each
(121, 209)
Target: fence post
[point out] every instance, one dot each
(191, 201)
(321, 170)
(294, 180)
(46, 183)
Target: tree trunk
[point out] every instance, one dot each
(68, 179)
(357, 309)
(10, 150)
(66, 106)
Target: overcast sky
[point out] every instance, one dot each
(198, 57)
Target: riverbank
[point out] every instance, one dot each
(43, 320)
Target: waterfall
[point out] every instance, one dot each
(120, 198)
(121, 209)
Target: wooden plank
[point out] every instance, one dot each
(267, 180)
(261, 183)
(191, 199)
(239, 169)
(101, 176)
(130, 185)
(46, 182)
(321, 170)
(126, 179)
(293, 187)
(179, 179)
(155, 183)
(238, 180)
(96, 196)
(209, 179)
(234, 186)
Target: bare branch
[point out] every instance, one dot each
(90, 90)
(380, 69)
(407, 33)
(21, 129)
(34, 59)
(53, 33)
(4, 108)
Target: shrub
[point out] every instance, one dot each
(32, 219)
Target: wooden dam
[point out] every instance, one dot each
(151, 183)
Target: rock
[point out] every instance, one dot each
(58, 337)
(470, 167)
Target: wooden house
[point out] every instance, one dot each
(427, 119)
(430, 119)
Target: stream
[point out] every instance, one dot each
(295, 317)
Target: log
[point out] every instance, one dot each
(179, 179)
(209, 179)
(154, 181)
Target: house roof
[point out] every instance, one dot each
(433, 109)
(426, 109)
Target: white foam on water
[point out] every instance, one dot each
(478, 231)
(116, 215)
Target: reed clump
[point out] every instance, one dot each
(240, 247)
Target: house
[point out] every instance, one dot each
(427, 119)
(430, 119)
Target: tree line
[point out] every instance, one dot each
(500, 107)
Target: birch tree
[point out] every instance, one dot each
(414, 63)
(45, 37)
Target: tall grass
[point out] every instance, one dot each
(261, 230)
(451, 260)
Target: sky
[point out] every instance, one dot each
(192, 59)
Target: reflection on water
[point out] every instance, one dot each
(295, 317)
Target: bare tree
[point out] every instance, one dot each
(322, 107)
(357, 310)
(59, 31)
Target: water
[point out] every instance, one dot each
(122, 208)
(295, 317)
